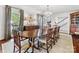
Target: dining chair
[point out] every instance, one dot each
(31, 34)
(46, 41)
(19, 43)
(56, 33)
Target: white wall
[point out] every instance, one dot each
(59, 17)
(2, 21)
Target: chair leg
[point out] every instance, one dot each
(47, 50)
(14, 49)
(19, 49)
(51, 44)
(53, 41)
(38, 45)
(29, 46)
(32, 45)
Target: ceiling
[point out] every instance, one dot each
(33, 9)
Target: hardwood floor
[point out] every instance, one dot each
(64, 45)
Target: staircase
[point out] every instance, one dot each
(63, 23)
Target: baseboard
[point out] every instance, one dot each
(64, 33)
(2, 41)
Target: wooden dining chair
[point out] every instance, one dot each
(53, 36)
(18, 40)
(31, 34)
(56, 34)
(46, 40)
(17, 43)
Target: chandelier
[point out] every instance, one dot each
(47, 12)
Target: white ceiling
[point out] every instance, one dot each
(33, 9)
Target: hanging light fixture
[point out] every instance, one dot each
(47, 12)
(46, 15)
